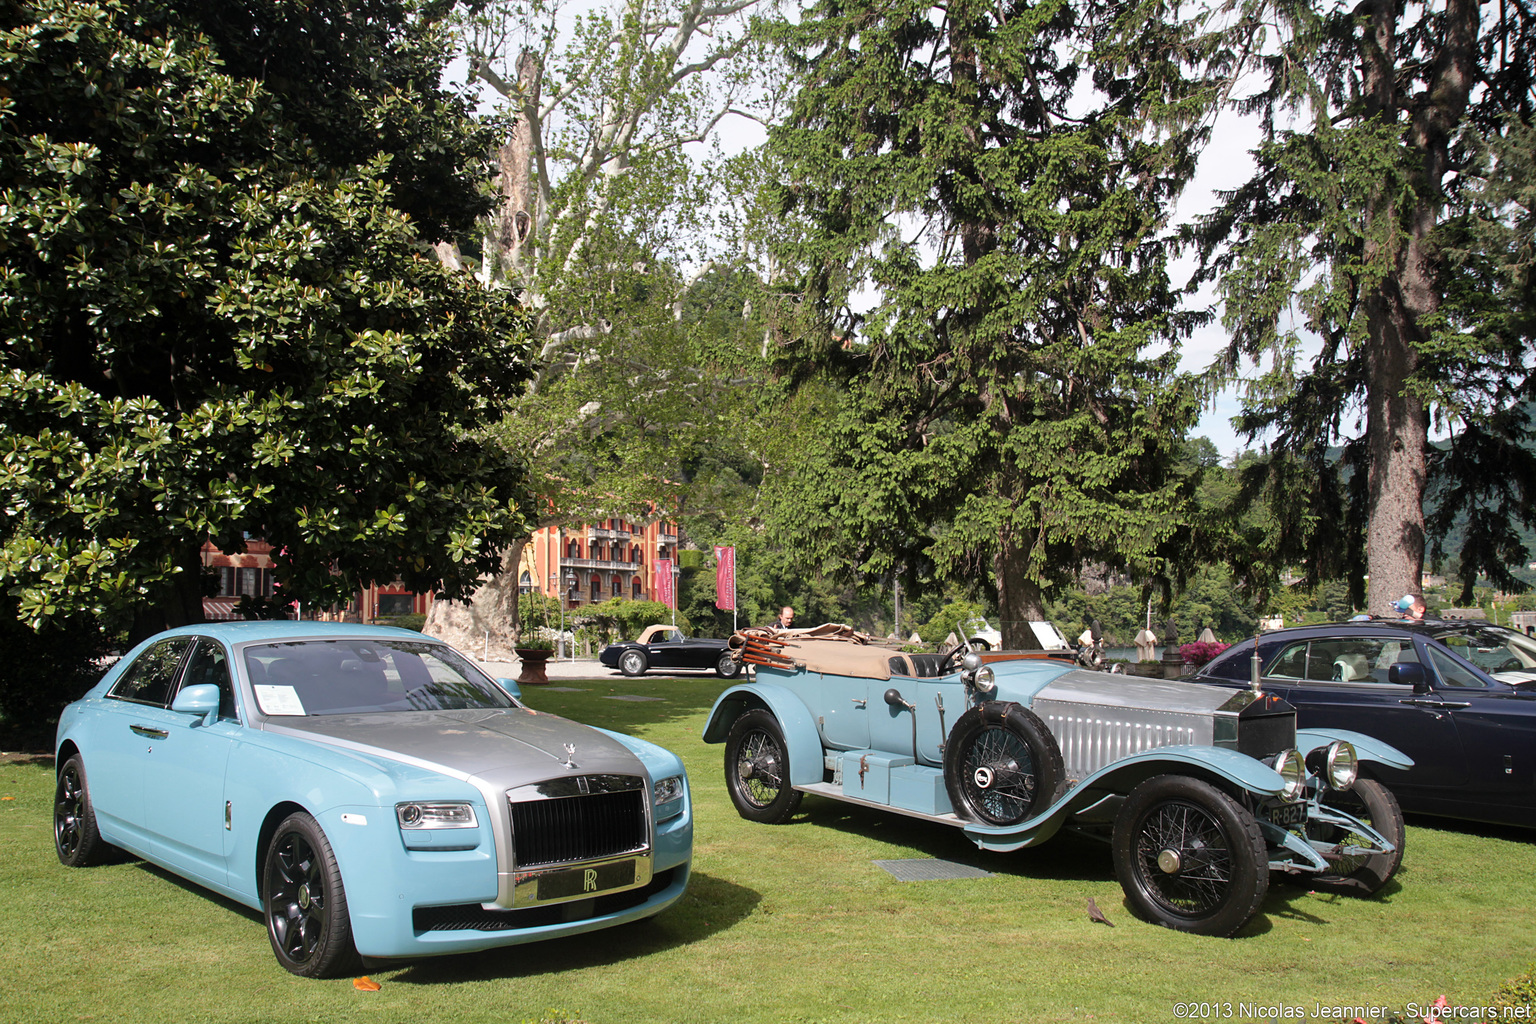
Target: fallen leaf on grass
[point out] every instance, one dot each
(366, 985)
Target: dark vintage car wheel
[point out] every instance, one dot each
(304, 902)
(1002, 765)
(1360, 874)
(727, 667)
(1189, 857)
(757, 769)
(633, 662)
(75, 836)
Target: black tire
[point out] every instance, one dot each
(1002, 765)
(757, 769)
(727, 667)
(633, 662)
(1361, 874)
(305, 903)
(1189, 857)
(75, 837)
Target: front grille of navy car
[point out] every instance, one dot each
(474, 917)
(577, 828)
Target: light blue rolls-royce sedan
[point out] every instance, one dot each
(370, 790)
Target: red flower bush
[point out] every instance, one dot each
(1201, 651)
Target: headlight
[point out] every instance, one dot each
(986, 679)
(667, 789)
(1293, 770)
(1337, 765)
(415, 815)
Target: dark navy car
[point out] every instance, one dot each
(1457, 697)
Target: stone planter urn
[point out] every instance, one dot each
(533, 661)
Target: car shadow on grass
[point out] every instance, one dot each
(1065, 857)
(711, 904)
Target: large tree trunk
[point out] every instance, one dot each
(1397, 422)
(1019, 601)
(489, 624)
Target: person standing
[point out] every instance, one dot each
(786, 619)
(1411, 606)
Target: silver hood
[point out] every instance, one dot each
(511, 746)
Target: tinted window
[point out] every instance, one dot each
(209, 664)
(1452, 674)
(1491, 648)
(148, 680)
(337, 677)
(1342, 659)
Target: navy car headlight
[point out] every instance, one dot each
(1337, 764)
(419, 815)
(1293, 770)
(668, 796)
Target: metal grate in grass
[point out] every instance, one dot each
(929, 870)
(630, 696)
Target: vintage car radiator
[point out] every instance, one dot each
(1098, 719)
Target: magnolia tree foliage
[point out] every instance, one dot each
(1381, 259)
(998, 177)
(221, 315)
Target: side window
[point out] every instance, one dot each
(1452, 674)
(1292, 663)
(209, 664)
(148, 680)
(1350, 660)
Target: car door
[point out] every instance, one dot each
(183, 779)
(1342, 682)
(666, 650)
(1497, 726)
(132, 724)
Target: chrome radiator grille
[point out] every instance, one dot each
(579, 827)
(1089, 742)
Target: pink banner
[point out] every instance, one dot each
(725, 578)
(665, 592)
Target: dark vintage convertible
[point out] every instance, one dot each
(1199, 793)
(665, 647)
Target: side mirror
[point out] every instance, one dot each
(197, 700)
(1409, 673)
(510, 685)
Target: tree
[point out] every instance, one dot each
(604, 227)
(1014, 408)
(221, 311)
(1389, 223)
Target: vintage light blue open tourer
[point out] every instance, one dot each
(1201, 792)
(370, 790)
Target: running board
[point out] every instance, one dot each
(836, 792)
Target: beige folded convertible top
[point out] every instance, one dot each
(831, 648)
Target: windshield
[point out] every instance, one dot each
(343, 677)
(1503, 653)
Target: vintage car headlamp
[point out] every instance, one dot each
(668, 796)
(985, 680)
(1293, 770)
(419, 815)
(1337, 764)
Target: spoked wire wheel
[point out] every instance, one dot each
(1189, 856)
(1001, 764)
(757, 769)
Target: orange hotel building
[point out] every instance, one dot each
(578, 565)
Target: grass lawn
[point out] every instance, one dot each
(781, 924)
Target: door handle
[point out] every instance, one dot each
(1438, 705)
(862, 702)
(154, 734)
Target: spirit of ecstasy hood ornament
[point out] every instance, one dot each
(570, 754)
